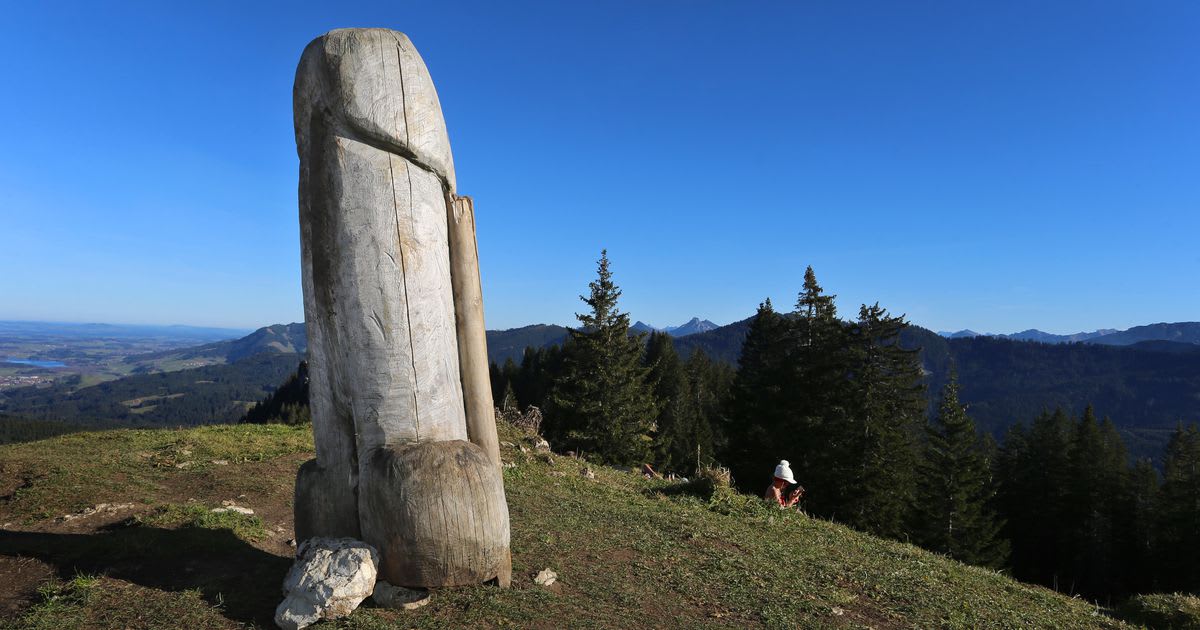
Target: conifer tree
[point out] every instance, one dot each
(675, 419)
(818, 395)
(875, 447)
(509, 372)
(758, 400)
(1179, 519)
(708, 392)
(1097, 473)
(816, 308)
(1034, 474)
(1138, 560)
(496, 377)
(538, 369)
(602, 403)
(286, 405)
(955, 489)
(1012, 485)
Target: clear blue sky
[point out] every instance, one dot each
(992, 165)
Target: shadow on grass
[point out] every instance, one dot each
(244, 582)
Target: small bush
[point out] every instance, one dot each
(529, 420)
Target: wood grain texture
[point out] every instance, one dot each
(436, 512)
(385, 323)
(323, 508)
(472, 333)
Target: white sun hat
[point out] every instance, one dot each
(784, 471)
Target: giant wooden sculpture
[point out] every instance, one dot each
(407, 456)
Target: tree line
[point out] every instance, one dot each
(1057, 503)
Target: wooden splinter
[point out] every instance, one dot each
(472, 334)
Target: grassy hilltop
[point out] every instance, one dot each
(628, 551)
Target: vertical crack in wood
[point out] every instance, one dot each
(412, 348)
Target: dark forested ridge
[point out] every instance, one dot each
(1145, 379)
(205, 395)
(1145, 391)
(510, 344)
(1146, 386)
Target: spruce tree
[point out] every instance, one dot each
(1138, 554)
(1179, 519)
(675, 419)
(509, 373)
(1097, 473)
(602, 404)
(1036, 495)
(818, 397)
(535, 376)
(757, 406)
(498, 383)
(1014, 481)
(955, 489)
(708, 392)
(875, 447)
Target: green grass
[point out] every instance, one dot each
(246, 527)
(65, 474)
(1163, 610)
(60, 605)
(628, 551)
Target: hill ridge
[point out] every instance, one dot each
(628, 550)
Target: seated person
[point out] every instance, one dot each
(784, 490)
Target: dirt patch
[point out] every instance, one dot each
(715, 544)
(265, 487)
(20, 577)
(863, 611)
(222, 570)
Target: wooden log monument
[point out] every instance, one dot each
(407, 455)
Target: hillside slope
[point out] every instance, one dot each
(210, 394)
(274, 339)
(629, 552)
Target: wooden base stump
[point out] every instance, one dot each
(437, 515)
(325, 505)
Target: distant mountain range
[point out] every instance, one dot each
(719, 342)
(290, 338)
(1181, 332)
(275, 339)
(65, 330)
(1033, 334)
(1145, 378)
(693, 326)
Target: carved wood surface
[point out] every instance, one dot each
(395, 319)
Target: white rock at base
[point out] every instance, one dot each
(330, 578)
(398, 597)
(545, 577)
